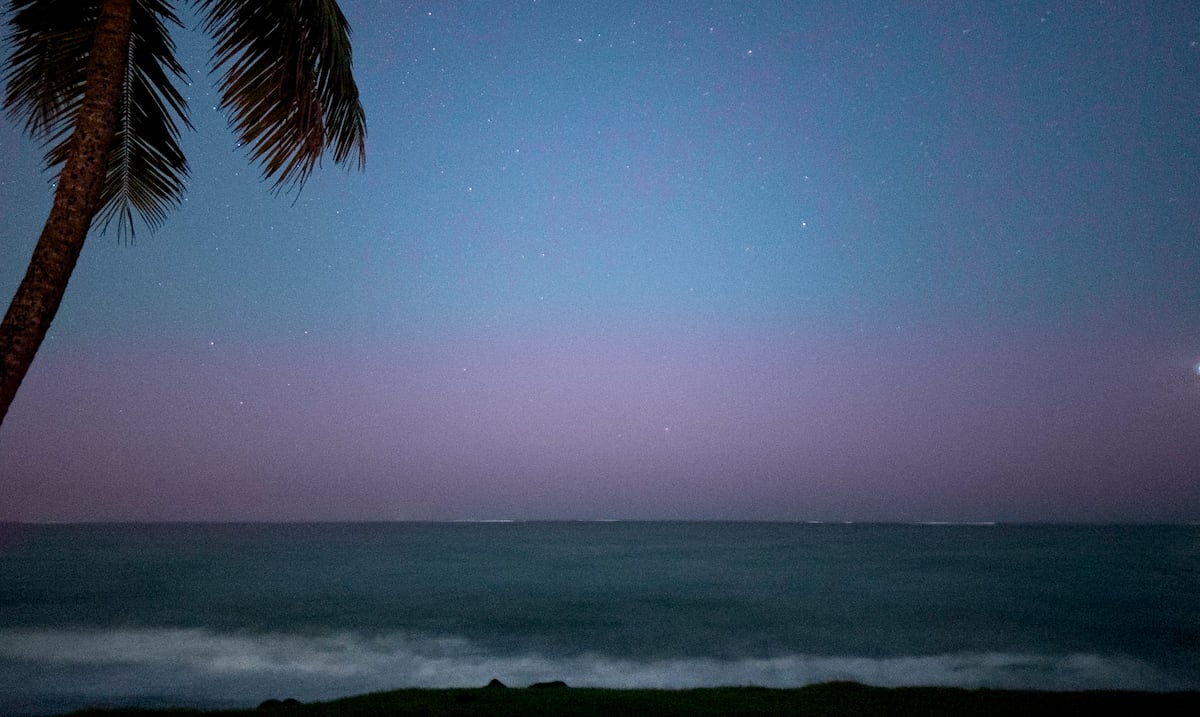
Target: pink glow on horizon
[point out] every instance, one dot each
(956, 427)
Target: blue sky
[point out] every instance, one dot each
(766, 261)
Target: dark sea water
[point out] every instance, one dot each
(229, 615)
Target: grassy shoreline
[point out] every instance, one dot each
(835, 698)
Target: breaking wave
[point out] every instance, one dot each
(56, 670)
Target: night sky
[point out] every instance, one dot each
(798, 261)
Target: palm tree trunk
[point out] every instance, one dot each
(76, 201)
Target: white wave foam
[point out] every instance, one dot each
(189, 665)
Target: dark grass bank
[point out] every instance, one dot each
(840, 698)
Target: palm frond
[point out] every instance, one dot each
(47, 71)
(147, 169)
(47, 66)
(288, 83)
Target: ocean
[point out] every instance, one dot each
(228, 615)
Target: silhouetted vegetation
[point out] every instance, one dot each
(831, 699)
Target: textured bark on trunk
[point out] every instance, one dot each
(76, 202)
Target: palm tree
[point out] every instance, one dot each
(94, 81)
